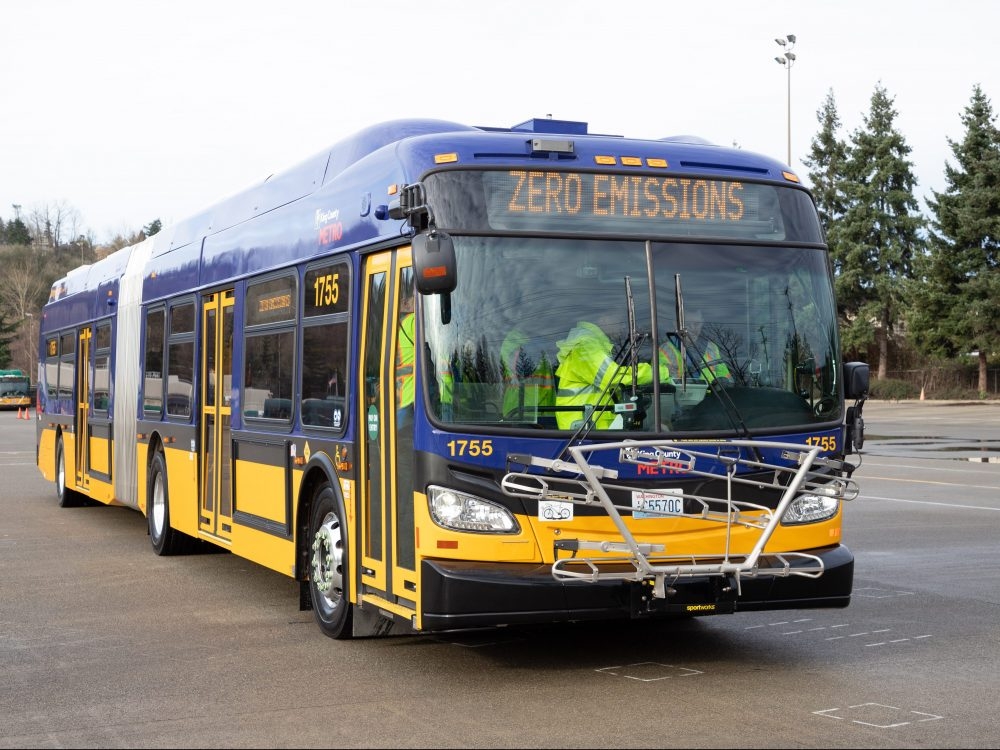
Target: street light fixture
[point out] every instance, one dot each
(786, 60)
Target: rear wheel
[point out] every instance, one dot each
(328, 568)
(165, 540)
(67, 498)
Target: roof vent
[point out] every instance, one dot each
(548, 125)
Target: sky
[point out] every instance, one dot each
(127, 111)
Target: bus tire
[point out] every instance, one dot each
(165, 540)
(67, 498)
(328, 565)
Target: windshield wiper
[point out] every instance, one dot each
(732, 411)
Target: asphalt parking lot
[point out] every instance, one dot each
(104, 644)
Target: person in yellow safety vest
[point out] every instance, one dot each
(446, 386)
(712, 368)
(405, 349)
(586, 369)
(528, 384)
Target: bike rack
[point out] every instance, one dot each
(651, 561)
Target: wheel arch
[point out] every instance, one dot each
(319, 470)
(154, 446)
(60, 438)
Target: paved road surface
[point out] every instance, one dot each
(103, 644)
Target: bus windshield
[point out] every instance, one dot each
(758, 349)
(13, 385)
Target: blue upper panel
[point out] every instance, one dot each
(332, 200)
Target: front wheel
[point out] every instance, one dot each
(328, 567)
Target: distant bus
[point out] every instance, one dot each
(252, 378)
(15, 389)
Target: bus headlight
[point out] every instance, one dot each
(809, 508)
(462, 512)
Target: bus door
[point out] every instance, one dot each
(215, 447)
(83, 409)
(387, 538)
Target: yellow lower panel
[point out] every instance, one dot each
(69, 456)
(685, 536)
(807, 536)
(182, 487)
(141, 474)
(47, 454)
(434, 541)
(98, 454)
(102, 492)
(264, 549)
(261, 490)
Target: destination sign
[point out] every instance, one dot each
(638, 204)
(270, 301)
(626, 196)
(649, 204)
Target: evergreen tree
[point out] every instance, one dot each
(826, 160)
(876, 239)
(16, 233)
(956, 308)
(8, 330)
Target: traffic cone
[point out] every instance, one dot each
(19, 413)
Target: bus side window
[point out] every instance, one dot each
(324, 374)
(269, 358)
(152, 390)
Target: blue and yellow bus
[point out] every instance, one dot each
(253, 378)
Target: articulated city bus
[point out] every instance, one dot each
(619, 394)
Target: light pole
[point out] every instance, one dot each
(787, 43)
(31, 348)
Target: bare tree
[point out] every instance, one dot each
(53, 224)
(24, 287)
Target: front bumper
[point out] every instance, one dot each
(461, 594)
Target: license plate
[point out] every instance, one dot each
(657, 505)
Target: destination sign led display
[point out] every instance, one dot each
(270, 301)
(625, 196)
(647, 205)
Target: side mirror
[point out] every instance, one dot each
(434, 263)
(856, 387)
(855, 380)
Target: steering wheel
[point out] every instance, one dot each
(825, 406)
